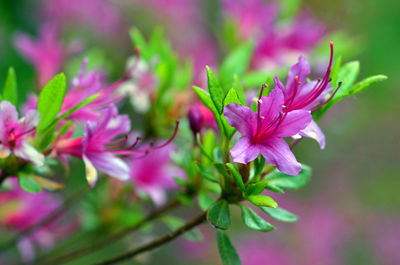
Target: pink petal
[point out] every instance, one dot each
(242, 118)
(293, 122)
(277, 152)
(313, 131)
(244, 151)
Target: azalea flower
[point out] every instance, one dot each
(255, 17)
(46, 53)
(154, 174)
(22, 213)
(14, 134)
(86, 84)
(302, 95)
(97, 148)
(262, 132)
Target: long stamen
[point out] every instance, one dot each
(259, 108)
(296, 85)
(329, 99)
(145, 151)
(320, 86)
(24, 133)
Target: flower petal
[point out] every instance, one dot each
(277, 152)
(241, 117)
(91, 172)
(244, 151)
(271, 105)
(109, 164)
(4, 152)
(313, 131)
(293, 122)
(300, 69)
(28, 152)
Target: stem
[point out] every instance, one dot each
(48, 219)
(108, 240)
(157, 242)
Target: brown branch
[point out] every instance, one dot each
(48, 219)
(108, 240)
(157, 242)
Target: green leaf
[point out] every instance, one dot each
(206, 173)
(28, 184)
(262, 200)
(255, 188)
(217, 94)
(347, 76)
(222, 170)
(219, 216)
(280, 214)
(237, 85)
(81, 104)
(206, 99)
(283, 181)
(335, 72)
(274, 188)
(228, 254)
(50, 101)
(360, 86)
(235, 64)
(231, 97)
(236, 176)
(253, 221)
(175, 223)
(10, 91)
(205, 200)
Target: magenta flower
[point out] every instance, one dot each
(101, 15)
(302, 95)
(84, 86)
(255, 17)
(262, 132)
(46, 53)
(14, 134)
(154, 174)
(22, 212)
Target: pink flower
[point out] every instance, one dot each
(154, 174)
(46, 53)
(101, 15)
(97, 148)
(14, 134)
(302, 95)
(23, 213)
(84, 86)
(255, 17)
(263, 132)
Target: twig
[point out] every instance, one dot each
(108, 240)
(48, 219)
(157, 242)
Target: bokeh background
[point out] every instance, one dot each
(350, 211)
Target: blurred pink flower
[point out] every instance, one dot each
(255, 17)
(386, 240)
(154, 173)
(14, 134)
(45, 53)
(254, 251)
(102, 15)
(25, 210)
